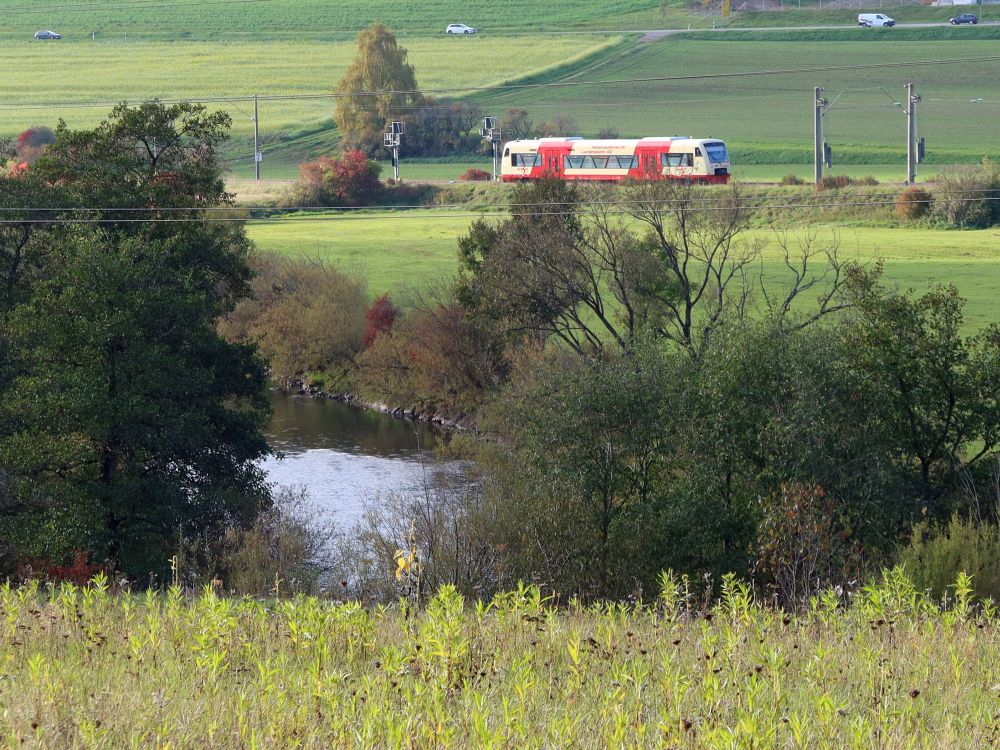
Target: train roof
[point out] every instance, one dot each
(604, 142)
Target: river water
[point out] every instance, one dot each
(344, 456)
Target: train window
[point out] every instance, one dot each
(717, 151)
(697, 151)
(600, 162)
(526, 160)
(573, 162)
(627, 162)
(588, 162)
(676, 160)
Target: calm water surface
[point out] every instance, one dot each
(344, 456)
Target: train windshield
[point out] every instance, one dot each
(717, 152)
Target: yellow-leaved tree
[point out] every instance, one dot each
(379, 86)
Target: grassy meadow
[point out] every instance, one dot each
(47, 81)
(297, 19)
(399, 250)
(768, 119)
(91, 669)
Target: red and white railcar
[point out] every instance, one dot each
(696, 159)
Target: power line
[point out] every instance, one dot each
(875, 196)
(438, 214)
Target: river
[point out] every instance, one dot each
(344, 456)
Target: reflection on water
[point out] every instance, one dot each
(345, 456)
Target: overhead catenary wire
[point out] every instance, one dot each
(874, 196)
(437, 213)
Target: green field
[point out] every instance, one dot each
(297, 19)
(397, 250)
(280, 48)
(91, 669)
(813, 16)
(46, 81)
(768, 119)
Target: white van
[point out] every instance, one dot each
(874, 19)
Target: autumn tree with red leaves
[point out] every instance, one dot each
(379, 319)
(350, 179)
(32, 143)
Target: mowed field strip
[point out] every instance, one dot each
(398, 250)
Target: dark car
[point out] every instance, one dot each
(964, 18)
(47, 35)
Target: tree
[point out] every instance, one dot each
(32, 143)
(125, 409)
(516, 124)
(378, 86)
(561, 124)
(304, 316)
(938, 393)
(566, 265)
(437, 357)
(586, 450)
(441, 128)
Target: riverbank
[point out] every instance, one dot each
(417, 414)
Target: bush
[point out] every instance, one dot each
(437, 359)
(792, 179)
(475, 175)
(802, 543)
(290, 549)
(834, 182)
(304, 316)
(348, 180)
(969, 196)
(937, 554)
(913, 203)
(379, 319)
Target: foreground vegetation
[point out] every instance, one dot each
(883, 667)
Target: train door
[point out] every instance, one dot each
(649, 165)
(552, 165)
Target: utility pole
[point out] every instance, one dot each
(392, 139)
(819, 103)
(911, 134)
(491, 133)
(258, 157)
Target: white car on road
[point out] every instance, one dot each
(459, 28)
(874, 19)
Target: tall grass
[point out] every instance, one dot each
(887, 668)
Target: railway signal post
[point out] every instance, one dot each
(819, 152)
(911, 134)
(392, 138)
(258, 157)
(491, 133)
